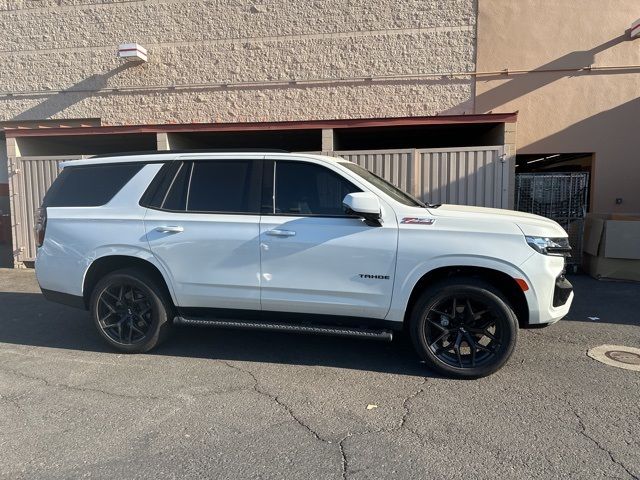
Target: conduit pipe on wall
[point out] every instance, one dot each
(320, 81)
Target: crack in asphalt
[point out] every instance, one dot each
(83, 388)
(32, 353)
(13, 400)
(78, 388)
(276, 399)
(583, 432)
(401, 424)
(344, 457)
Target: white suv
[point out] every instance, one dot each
(294, 242)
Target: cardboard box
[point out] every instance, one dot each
(612, 246)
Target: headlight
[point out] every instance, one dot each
(550, 246)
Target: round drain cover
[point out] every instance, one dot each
(617, 356)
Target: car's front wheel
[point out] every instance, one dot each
(131, 311)
(464, 328)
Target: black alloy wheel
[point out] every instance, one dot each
(125, 313)
(463, 331)
(131, 310)
(464, 328)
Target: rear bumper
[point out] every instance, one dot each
(64, 298)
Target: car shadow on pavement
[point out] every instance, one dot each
(28, 319)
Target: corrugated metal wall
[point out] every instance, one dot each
(395, 166)
(464, 176)
(468, 176)
(29, 180)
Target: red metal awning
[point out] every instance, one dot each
(14, 132)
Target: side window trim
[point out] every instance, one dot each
(312, 215)
(186, 202)
(273, 190)
(166, 194)
(267, 186)
(158, 186)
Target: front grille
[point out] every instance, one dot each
(562, 291)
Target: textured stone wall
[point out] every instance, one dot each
(61, 53)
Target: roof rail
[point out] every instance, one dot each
(195, 150)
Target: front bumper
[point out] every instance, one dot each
(551, 294)
(562, 292)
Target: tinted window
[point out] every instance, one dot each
(176, 197)
(309, 189)
(89, 185)
(154, 196)
(230, 186)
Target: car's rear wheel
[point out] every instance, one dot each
(131, 311)
(464, 328)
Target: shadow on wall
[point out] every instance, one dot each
(56, 103)
(516, 86)
(519, 85)
(613, 135)
(593, 131)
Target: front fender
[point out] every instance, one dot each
(404, 286)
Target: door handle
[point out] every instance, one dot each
(280, 233)
(169, 229)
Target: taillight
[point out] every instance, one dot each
(40, 225)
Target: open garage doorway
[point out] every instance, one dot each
(556, 186)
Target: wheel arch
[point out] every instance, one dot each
(110, 263)
(504, 282)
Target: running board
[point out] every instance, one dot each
(337, 331)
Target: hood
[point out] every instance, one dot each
(530, 224)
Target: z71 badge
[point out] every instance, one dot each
(418, 220)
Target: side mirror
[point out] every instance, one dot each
(365, 205)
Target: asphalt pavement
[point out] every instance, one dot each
(237, 404)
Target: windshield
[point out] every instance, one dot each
(388, 188)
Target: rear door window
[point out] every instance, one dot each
(225, 186)
(89, 185)
(207, 186)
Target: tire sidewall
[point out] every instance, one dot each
(160, 312)
(462, 287)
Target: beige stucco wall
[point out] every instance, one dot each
(51, 45)
(568, 111)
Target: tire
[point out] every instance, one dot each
(472, 339)
(131, 311)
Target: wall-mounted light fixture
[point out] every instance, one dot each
(132, 52)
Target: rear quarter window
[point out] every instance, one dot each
(89, 185)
